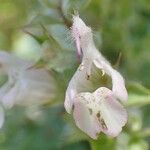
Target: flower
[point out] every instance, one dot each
(26, 85)
(100, 110)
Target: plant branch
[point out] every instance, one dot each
(65, 20)
(138, 100)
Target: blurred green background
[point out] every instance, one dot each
(36, 29)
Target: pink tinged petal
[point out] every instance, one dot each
(68, 104)
(119, 88)
(36, 87)
(112, 115)
(118, 84)
(11, 62)
(79, 83)
(70, 93)
(25, 84)
(2, 117)
(8, 93)
(76, 36)
(99, 111)
(78, 25)
(77, 42)
(3, 90)
(79, 51)
(84, 117)
(78, 31)
(10, 97)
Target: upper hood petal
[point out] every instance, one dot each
(118, 84)
(79, 83)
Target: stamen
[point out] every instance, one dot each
(103, 72)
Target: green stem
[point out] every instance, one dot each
(144, 133)
(138, 100)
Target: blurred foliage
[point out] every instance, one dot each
(35, 28)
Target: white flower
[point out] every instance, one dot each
(26, 85)
(101, 110)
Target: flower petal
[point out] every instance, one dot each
(79, 28)
(84, 117)
(10, 97)
(36, 87)
(78, 83)
(118, 85)
(119, 88)
(112, 114)
(11, 62)
(26, 85)
(70, 94)
(99, 111)
(8, 93)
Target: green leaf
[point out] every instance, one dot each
(138, 100)
(138, 95)
(137, 88)
(63, 60)
(62, 35)
(103, 143)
